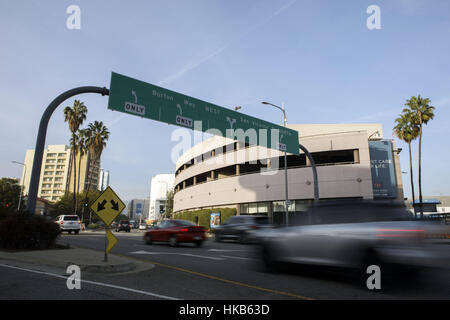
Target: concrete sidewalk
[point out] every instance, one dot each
(87, 260)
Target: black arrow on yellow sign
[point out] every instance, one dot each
(115, 205)
(101, 206)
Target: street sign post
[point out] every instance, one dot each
(107, 207)
(145, 100)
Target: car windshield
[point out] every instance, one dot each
(356, 213)
(71, 218)
(262, 220)
(124, 222)
(184, 223)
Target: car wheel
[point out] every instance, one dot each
(243, 238)
(271, 265)
(69, 232)
(199, 243)
(173, 241)
(77, 231)
(217, 237)
(148, 239)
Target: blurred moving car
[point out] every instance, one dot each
(356, 235)
(241, 228)
(69, 223)
(176, 231)
(143, 226)
(124, 225)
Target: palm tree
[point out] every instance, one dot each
(422, 112)
(81, 150)
(74, 117)
(407, 131)
(74, 142)
(96, 136)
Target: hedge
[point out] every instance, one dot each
(203, 215)
(24, 231)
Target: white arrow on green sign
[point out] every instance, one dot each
(149, 101)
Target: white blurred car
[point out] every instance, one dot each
(69, 223)
(358, 234)
(143, 226)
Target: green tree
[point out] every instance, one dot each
(421, 112)
(74, 117)
(407, 131)
(65, 204)
(169, 203)
(10, 190)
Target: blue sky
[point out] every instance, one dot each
(318, 57)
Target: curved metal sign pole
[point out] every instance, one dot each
(314, 169)
(42, 133)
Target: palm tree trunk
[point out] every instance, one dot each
(420, 172)
(88, 181)
(78, 182)
(74, 178)
(412, 180)
(70, 170)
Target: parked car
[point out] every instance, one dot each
(356, 235)
(69, 223)
(123, 225)
(241, 228)
(143, 226)
(176, 231)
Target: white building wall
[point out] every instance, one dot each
(160, 184)
(335, 181)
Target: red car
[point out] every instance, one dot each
(176, 231)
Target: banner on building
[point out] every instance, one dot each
(383, 169)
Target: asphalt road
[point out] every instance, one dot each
(231, 271)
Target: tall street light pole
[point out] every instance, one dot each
(23, 181)
(286, 204)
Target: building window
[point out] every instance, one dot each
(61, 154)
(333, 157)
(252, 208)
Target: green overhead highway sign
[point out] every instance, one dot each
(149, 101)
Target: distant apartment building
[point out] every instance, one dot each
(138, 209)
(103, 180)
(57, 173)
(160, 184)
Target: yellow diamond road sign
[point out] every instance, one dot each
(112, 240)
(108, 206)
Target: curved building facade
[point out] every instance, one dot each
(353, 161)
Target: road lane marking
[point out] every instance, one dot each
(237, 283)
(240, 258)
(225, 250)
(175, 253)
(204, 275)
(93, 283)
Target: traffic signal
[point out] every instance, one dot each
(86, 202)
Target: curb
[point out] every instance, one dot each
(121, 265)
